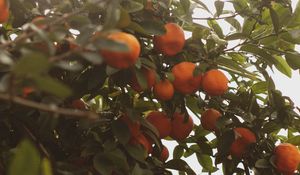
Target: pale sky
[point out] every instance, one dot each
(288, 86)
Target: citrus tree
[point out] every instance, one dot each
(92, 87)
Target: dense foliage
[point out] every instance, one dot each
(69, 105)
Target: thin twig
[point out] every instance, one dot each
(216, 18)
(50, 108)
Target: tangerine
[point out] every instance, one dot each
(209, 119)
(164, 90)
(133, 126)
(181, 129)
(172, 42)
(150, 76)
(122, 59)
(185, 82)
(287, 158)
(4, 11)
(164, 155)
(161, 122)
(244, 138)
(214, 82)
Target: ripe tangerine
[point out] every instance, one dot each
(150, 76)
(163, 90)
(287, 158)
(209, 119)
(172, 42)
(122, 59)
(214, 82)
(161, 122)
(181, 129)
(185, 82)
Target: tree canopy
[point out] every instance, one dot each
(92, 87)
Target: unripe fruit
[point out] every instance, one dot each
(161, 122)
(122, 59)
(209, 119)
(185, 82)
(181, 129)
(214, 82)
(163, 90)
(172, 42)
(150, 78)
(287, 158)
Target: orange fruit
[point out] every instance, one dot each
(122, 59)
(150, 76)
(40, 22)
(214, 82)
(26, 91)
(244, 138)
(172, 42)
(163, 90)
(164, 155)
(181, 129)
(133, 126)
(4, 11)
(209, 119)
(142, 140)
(161, 122)
(78, 104)
(287, 158)
(185, 82)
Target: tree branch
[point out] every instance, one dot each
(50, 108)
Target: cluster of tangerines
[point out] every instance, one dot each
(213, 82)
(176, 128)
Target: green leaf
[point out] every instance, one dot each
(20, 165)
(137, 170)
(203, 6)
(180, 165)
(234, 23)
(270, 60)
(103, 164)
(185, 5)
(213, 24)
(136, 151)
(121, 131)
(293, 59)
(206, 162)
(153, 27)
(260, 87)
(236, 36)
(275, 20)
(92, 57)
(219, 7)
(112, 16)
(132, 6)
(46, 167)
(31, 63)
(248, 26)
(178, 152)
(294, 140)
(283, 66)
(107, 44)
(52, 86)
(262, 163)
(295, 20)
